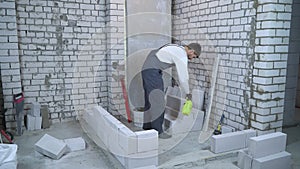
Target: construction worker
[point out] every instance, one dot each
(157, 61)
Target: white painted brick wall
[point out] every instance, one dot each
(53, 56)
(270, 35)
(115, 49)
(230, 26)
(60, 49)
(9, 57)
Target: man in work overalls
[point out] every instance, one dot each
(157, 61)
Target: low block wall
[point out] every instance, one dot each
(132, 149)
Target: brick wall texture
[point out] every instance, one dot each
(1, 103)
(62, 53)
(251, 39)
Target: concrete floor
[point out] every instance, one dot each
(186, 153)
(91, 158)
(293, 144)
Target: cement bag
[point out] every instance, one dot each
(8, 156)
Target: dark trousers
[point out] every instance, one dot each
(154, 99)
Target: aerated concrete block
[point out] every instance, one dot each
(30, 123)
(241, 157)
(8, 154)
(169, 90)
(147, 140)
(33, 122)
(127, 140)
(45, 117)
(268, 144)
(75, 144)
(199, 119)
(176, 91)
(228, 142)
(244, 159)
(51, 147)
(112, 134)
(173, 102)
(280, 160)
(96, 119)
(35, 109)
(38, 123)
(101, 110)
(113, 142)
(227, 129)
(198, 98)
(249, 134)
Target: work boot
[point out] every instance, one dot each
(164, 135)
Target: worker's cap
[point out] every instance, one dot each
(196, 47)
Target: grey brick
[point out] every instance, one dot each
(10, 5)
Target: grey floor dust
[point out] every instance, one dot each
(187, 153)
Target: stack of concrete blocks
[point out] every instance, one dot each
(132, 149)
(175, 120)
(231, 141)
(34, 118)
(8, 156)
(51, 147)
(265, 152)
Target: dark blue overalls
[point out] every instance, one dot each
(154, 92)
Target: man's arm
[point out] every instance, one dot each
(183, 76)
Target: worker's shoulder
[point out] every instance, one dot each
(173, 47)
